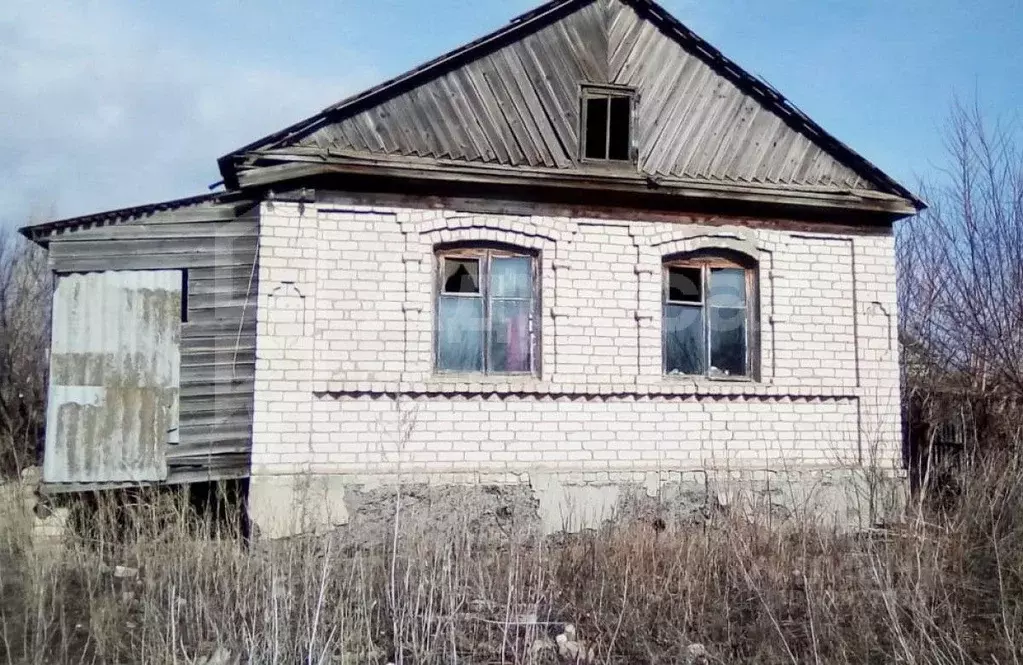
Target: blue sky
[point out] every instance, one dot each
(107, 103)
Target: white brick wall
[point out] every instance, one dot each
(344, 380)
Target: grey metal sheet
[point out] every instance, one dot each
(114, 376)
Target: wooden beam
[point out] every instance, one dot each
(288, 168)
(326, 198)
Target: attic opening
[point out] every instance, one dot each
(607, 121)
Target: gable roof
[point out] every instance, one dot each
(702, 117)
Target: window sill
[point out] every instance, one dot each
(707, 386)
(703, 378)
(486, 383)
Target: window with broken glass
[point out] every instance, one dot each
(486, 311)
(709, 326)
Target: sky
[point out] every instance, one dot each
(111, 103)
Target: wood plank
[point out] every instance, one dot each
(479, 146)
(544, 88)
(511, 109)
(607, 180)
(229, 329)
(523, 86)
(221, 286)
(487, 107)
(223, 310)
(237, 431)
(200, 405)
(161, 231)
(210, 245)
(182, 453)
(224, 357)
(478, 203)
(209, 390)
(416, 131)
(134, 262)
(212, 274)
(207, 373)
(431, 118)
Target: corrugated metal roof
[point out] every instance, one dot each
(114, 376)
(511, 98)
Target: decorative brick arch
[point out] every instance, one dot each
(709, 242)
(486, 228)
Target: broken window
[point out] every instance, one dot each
(708, 323)
(486, 311)
(607, 124)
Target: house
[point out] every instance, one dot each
(581, 259)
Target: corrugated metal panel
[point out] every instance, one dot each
(700, 117)
(218, 340)
(114, 376)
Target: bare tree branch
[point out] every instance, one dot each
(25, 289)
(961, 278)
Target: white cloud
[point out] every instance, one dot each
(101, 109)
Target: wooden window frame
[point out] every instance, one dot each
(485, 253)
(705, 261)
(593, 91)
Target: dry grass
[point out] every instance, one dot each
(942, 590)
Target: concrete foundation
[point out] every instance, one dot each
(548, 503)
(283, 506)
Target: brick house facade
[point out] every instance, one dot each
(586, 262)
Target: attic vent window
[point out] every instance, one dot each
(607, 124)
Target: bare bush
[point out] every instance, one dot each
(961, 300)
(25, 290)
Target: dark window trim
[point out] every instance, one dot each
(484, 253)
(705, 260)
(589, 91)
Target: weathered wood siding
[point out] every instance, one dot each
(519, 105)
(218, 339)
(516, 106)
(696, 123)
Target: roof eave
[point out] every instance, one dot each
(288, 172)
(42, 233)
